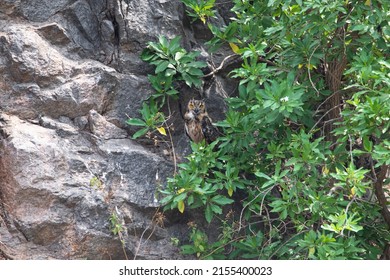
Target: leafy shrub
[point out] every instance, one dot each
(173, 63)
(306, 140)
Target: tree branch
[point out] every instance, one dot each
(221, 66)
(380, 194)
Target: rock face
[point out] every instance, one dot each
(70, 76)
(59, 188)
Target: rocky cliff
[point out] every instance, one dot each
(70, 76)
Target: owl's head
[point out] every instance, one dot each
(196, 106)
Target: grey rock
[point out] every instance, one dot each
(81, 122)
(100, 127)
(9, 8)
(55, 34)
(45, 82)
(41, 10)
(50, 200)
(83, 25)
(62, 128)
(70, 77)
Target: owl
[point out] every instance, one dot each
(198, 124)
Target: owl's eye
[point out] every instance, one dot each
(191, 106)
(201, 106)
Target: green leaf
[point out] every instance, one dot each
(163, 41)
(190, 200)
(188, 249)
(271, 3)
(216, 209)
(170, 72)
(197, 64)
(136, 122)
(147, 55)
(283, 214)
(162, 66)
(271, 30)
(262, 175)
(172, 92)
(140, 133)
(222, 200)
(180, 197)
(174, 44)
(367, 144)
(190, 80)
(195, 72)
(208, 213)
(166, 199)
(179, 55)
(330, 227)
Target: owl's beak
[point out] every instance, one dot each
(196, 111)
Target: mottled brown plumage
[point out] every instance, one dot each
(198, 124)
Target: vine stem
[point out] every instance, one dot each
(324, 115)
(171, 139)
(308, 71)
(242, 211)
(140, 242)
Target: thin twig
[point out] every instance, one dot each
(123, 244)
(270, 226)
(346, 211)
(325, 101)
(150, 235)
(308, 71)
(171, 139)
(288, 240)
(220, 67)
(121, 238)
(222, 246)
(324, 115)
(242, 211)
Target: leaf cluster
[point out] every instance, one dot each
(172, 64)
(307, 195)
(200, 9)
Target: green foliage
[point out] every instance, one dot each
(305, 197)
(194, 187)
(327, 247)
(173, 63)
(199, 243)
(341, 222)
(351, 180)
(116, 225)
(96, 183)
(305, 193)
(117, 228)
(200, 9)
(152, 119)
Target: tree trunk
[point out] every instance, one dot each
(333, 74)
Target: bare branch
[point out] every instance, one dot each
(324, 115)
(220, 67)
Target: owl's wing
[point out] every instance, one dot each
(210, 132)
